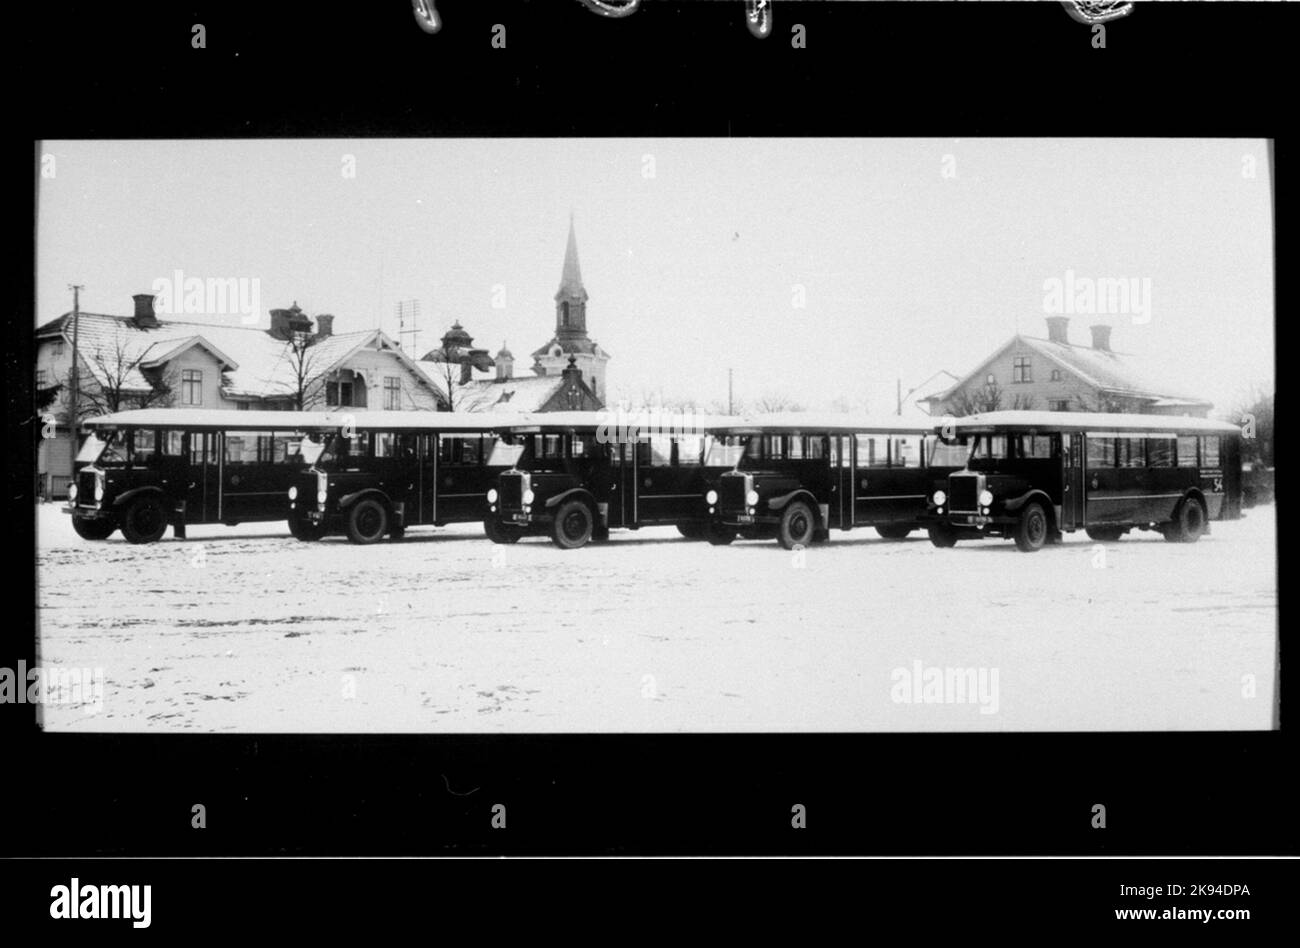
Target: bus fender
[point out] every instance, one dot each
(1015, 503)
(1196, 494)
(347, 500)
(135, 492)
(561, 498)
(778, 503)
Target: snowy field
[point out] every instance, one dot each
(246, 629)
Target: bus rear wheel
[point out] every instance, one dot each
(798, 526)
(367, 521)
(943, 536)
(1188, 523)
(145, 520)
(93, 529)
(573, 525)
(894, 531)
(498, 532)
(1105, 534)
(1031, 529)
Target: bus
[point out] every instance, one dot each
(379, 472)
(142, 470)
(1033, 476)
(796, 476)
(581, 473)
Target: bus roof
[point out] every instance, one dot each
(219, 419)
(829, 422)
(1085, 421)
(647, 422)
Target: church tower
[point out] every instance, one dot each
(571, 340)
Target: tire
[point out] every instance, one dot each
(1032, 529)
(498, 532)
(145, 520)
(798, 526)
(894, 531)
(367, 521)
(1188, 523)
(943, 536)
(600, 534)
(93, 529)
(692, 530)
(1105, 534)
(573, 525)
(719, 534)
(305, 530)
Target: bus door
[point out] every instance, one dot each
(1072, 488)
(463, 481)
(842, 481)
(257, 470)
(625, 468)
(424, 507)
(667, 477)
(204, 481)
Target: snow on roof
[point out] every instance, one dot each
(844, 422)
(360, 420)
(1083, 420)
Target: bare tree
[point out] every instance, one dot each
(301, 354)
(1101, 402)
(971, 401)
(1255, 406)
(114, 384)
(772, 402)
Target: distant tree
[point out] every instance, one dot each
(301, 354)
(1023, 403)
(1255, 406)
(1101, 402)
(972, 401)
(772, 402)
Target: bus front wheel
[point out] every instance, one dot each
(498, 532)
(145, 520)
(691, 530)
(93, 529)
(573, 525)
(719, 534)
(894, 531)
(367, 521)
(1105, 534)
(1188, 523)
(798, 526)
(943, 536)
(1031, 529)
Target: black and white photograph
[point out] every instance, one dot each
(800, 435)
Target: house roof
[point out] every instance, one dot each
(524, 393)
(568, 346)
(259, 365)
(1112, 373)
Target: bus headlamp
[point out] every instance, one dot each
(711, 498)
(72, 492)
(99, 488)
(986, 498)
(940, 498)
(752, 498)
(321, 496)
(529, 496)
(293, 493)
(492, 496)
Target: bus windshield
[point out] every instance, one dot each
(111, 445)
(987, 452)
(310, 449)
(948, 453)
(504, 454)
(339, 453)
(725, 451)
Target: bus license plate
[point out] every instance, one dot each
(744, 518)
(521, 518)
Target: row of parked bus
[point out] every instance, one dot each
(574, 476)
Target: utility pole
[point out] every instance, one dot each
(899, 392)
(729, 408)
(76, 360)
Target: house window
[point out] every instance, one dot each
(392, 393)
(191, 387)
(1056, 375)
(1058, 404)
(990, 380)
(338, 394)
(1020, 371)
(241, 406)
(42, 378)
(58, 347)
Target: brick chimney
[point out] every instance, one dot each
(324, 325)
(1058, 329)
(1101, 337)
(286, 322)
(145, 317)
(466, 371)
(505, 364)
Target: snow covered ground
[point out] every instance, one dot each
(246, 629)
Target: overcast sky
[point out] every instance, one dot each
(693, 250)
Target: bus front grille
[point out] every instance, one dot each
(731, 493)
(512, 491)
(963, 492)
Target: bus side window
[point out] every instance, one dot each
(1187, 450)
(1210, 451)
(145, 446)
(1132, 451)
(816, 447)
(872, 451)
(1101, 452)
(173, 444)
(690, 450)
(1160, 452)
(661, 450)
(906, 452)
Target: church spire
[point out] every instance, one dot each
(571, 276)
